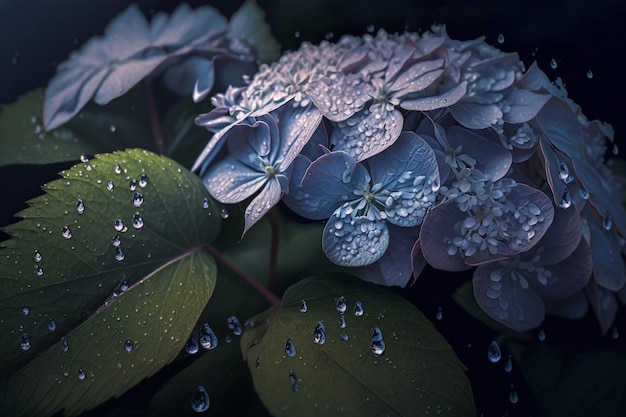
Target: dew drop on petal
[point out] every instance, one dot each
(128, 345)
(52, 325)
(341, 304)
(66, 232)
(607, 222)
(119, 254)
(566, 199)
(358, 309)
(200, 400)
(80, 207)
(235, 325)
(37, 256)
(584, 194)
(290, 348)
(493, 352)
(319, 334)
(137, 221)
(303, 306)
(192, 347)
(143, 180)
(81, 374)
(208, 339)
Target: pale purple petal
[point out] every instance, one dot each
(229, 183)
(262, 203)
(354, 242)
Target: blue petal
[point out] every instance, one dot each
(354, 242)
(296, 126)
(262, 203)
(231, 182)
(193, 76)
(328, 182)
(368, 132)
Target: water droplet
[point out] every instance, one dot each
(192, 347)
(295, 388)
(439, 315)
(132, 183)
(303, 306)
(589, 74)
(66, 232)
(110, 185)
(128, 345)
(117, 240)
(358, 309)
(81, 374)
(290, 348)
(87, 167)
(342, 321)
(296, 34)
(84, 158)
(25, 342)
(500, 38)
(615, 333)
(208, 339)
(52, 325)
(607, 222)
(553, 63)
(583, 193)
(257, 362)
(25, 310)
(119, 225)
(119, 254)
(564, 173)
(224, 213)
(615, 149)
(122, 288)
(377, 344)
(37, 256)
(118, 169)
(493, 352)
(508, 366)
(205, 203)
(64, 346)
(137, 199)
(38, 270)
(341, 304)
(143, 180)
(292, 377)
(513, 397)
(112, 128)
(541, 335)
(344, 337)
(370, 28)
(235, 325)
(137, 221)
(566, 199)
(80, 207)
(319, 334)
(200, 400)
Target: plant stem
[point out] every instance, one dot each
(155, 121)
(265, 293)
(271, 273)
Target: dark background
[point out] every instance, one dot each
(35, 35)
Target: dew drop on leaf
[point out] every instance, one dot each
(208, 339)
(64, 346)
(38, 270)
(118, 169)
(341, 304)
(143, 180)
(110, 185)
(342, 321)
(117, 240)
(37, 256)
(66, 232)
(52, 325)
(119, 225)
(112, 128)
(319, 334)
(137, 199)
(358, 309)
(290, 348)
(132, 183)
(81, 374)
(119, 254)
(205, 203)
(493, 352)
(84, 158)
(377, 344)
(224, 213)
(192, 347)
(295, 388)
(137, 221)
(200, 400)
(80, 207)
(25, 342)
(303, 306)
(235, 325)
(26, 310)
(344, 337)
(128, 345)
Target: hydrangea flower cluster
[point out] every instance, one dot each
(419, 149)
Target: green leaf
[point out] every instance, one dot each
(120, 124)
(249, 25)
(417, 374)
(575, 385)
(62, 265)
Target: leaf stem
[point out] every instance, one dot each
(155, 121)
(269, 296)
(273, 261)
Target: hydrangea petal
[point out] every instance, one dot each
(476, 115)
(194, 75)
(230, 185)
(367, 133)
(523, 105)
(561, 239)
(354, 242)
(296, 126)
(263, 202)
(435, 100)
(505, 299)
(339, 96)
(604, 304)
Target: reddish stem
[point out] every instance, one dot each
(271, 273)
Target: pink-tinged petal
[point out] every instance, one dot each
(262, 203)
(574, 307)
(492, 159)
(476, 115)
(523, 105)
(419, 76)
(436, 100)
(367, 133)
(567, 277)
(436, 237)
(507, 298)
(340, 96)
(296, 126)
(354, 242)
(604, 304)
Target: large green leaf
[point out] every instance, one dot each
(120, 124)
(416, 374)
(61, 266)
